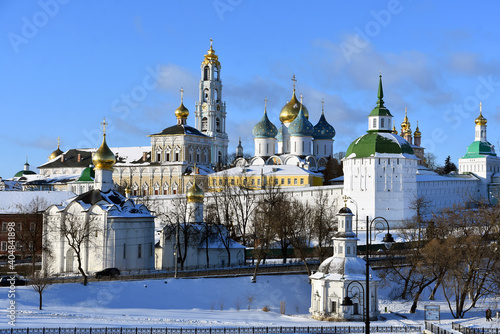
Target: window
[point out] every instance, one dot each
(167, 156)
(301, 181)
(289, 181)
(139, 251)
(32, 226)
(204, 124)
(294, 181)
(217, 125)
(176, 156)
(158, 156)
(253, 182)
(334, 307)
(355, 309)
(283, 181)
(374, 123)
(124, 251)
(382, 122)
(205, 73)
(232, 182)
(348, 250)
(4, 226)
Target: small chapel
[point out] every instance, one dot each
(100, 228)
(343, 275)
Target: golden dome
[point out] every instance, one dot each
(195, 193)
(57, 152)
(291, 110)
(182, 112)
(408, 132)
(481, 120)
(394, 129)
(211, 57)
(405, 125)
(104, 158)
(417, 132)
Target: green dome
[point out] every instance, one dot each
(88, 175)
(24, 172)
(373, 144)
(265, 129)
(479, 149)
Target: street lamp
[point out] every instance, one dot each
(388, 240)
(347, 301)
(356, 204)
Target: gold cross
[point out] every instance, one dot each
(322, 105)
(182, 94)
(480, 107)
(58, 141)
(300, 98)
(104, 124)
(211, 43)
(345, 200)
(265, 104)
(294, 80)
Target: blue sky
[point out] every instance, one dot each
(66, 64)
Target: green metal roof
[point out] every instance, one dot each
(479, 149)
(382, 143)
(24, 172)
(88, 175)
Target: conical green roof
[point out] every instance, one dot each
(380, 109)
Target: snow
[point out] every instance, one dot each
(202, 302)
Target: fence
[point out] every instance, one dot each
(433, 328)
(215, 330)
(221, 272)
(470, 330)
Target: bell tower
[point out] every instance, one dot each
(210, 113)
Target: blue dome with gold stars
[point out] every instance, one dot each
(265, 129)
(323, 130)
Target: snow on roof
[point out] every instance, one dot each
(426, 175)
(11, 200)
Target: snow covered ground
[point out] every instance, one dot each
(199, 302)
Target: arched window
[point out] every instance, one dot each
(382, 122)
(374, 122)
(206, 73)
(217, 95)
(205, 94)
(217, 124)
(220, 157)
(204, 124)
(216, 72)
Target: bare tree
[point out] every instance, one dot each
(79, 232)
(39, 282)
(243, 203)
(300, 230)
(323, 224)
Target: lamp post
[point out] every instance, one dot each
(388, 240)
(356, 204)
(348, 301)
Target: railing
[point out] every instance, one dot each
(214, 330)
(221, 272)
(470, 330)
(436, 329)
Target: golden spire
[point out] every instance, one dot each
(265, 104)
(104, 124)
(345, 197)
(58, 141)
(211, 57)
(294, 81)
(417, 132)
(322, 106)
(182, 112)
(405, 125)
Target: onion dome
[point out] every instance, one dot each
(182, 112)
(408, 132)
(300, 126)
(380, 109)
(265, 129)
(211, 57)
(323, 130)
(481, 120)
(57, 152)
(104, 158)
(394, 129)
(292, 108)
(374, 144)
(417, 132)
(88, 175)
(195, 193)
(405, 125)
